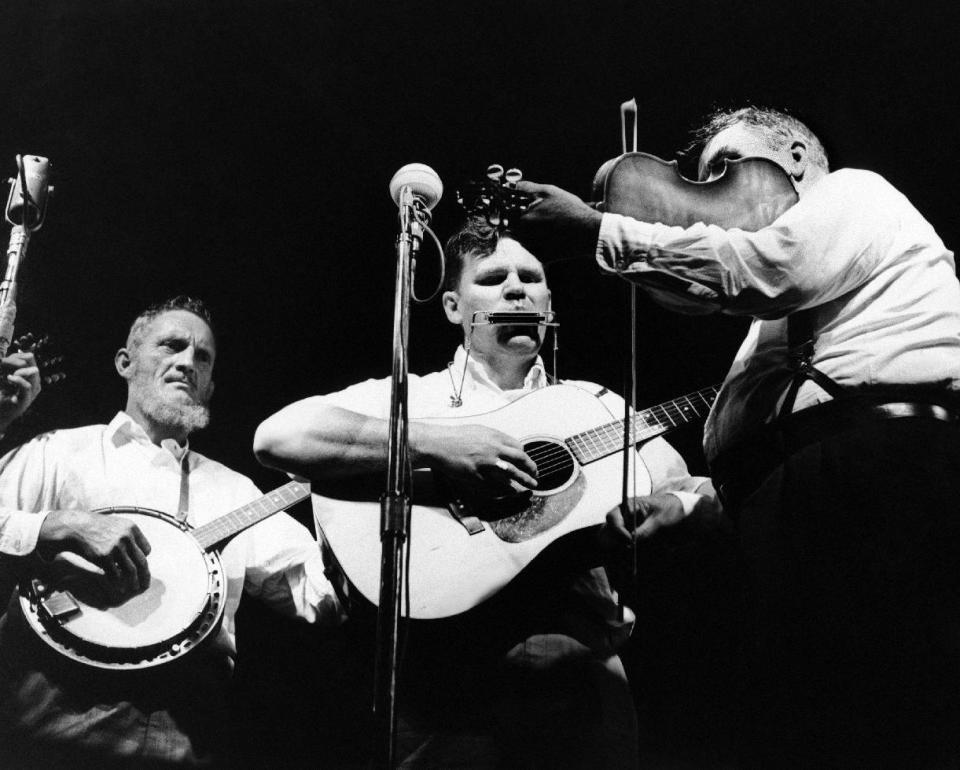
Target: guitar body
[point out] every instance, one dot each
(452, 570)
(182, 607)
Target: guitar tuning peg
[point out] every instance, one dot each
(495, 172)
(512, 176)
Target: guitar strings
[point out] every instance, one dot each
(553, 456)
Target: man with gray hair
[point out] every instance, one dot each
(834, 440)
(57, 712)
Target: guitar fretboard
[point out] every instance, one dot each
(606, 439)
(246, 516)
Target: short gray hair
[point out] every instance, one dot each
(180, 302)
(779, 127)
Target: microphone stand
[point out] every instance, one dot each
(23, 225)
(395, 502)
(19, 239)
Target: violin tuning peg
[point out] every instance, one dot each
(513, 175)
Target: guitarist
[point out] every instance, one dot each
(532, 677)
(55, 712)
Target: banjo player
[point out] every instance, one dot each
(60, 713)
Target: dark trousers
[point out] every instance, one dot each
(853, 545)
(56, 713)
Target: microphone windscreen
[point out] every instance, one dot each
(422, 180)
(36, 171)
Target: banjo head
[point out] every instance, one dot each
(181, 608)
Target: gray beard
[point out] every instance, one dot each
(188, 418)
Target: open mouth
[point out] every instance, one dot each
(508, 332)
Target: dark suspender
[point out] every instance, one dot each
(800, 341)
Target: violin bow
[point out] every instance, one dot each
(628, 127)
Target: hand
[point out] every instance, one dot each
(653, 512)
(113, 543)
(557, 223)
(21, 380)
(478, 456)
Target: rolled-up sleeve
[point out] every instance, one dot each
(24, 474)
(286, 571)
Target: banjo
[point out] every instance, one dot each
(65, 604)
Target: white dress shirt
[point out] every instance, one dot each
(100, 466)
(881, 286)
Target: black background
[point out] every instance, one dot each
(240, 152)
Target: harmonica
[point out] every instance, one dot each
(514, 318)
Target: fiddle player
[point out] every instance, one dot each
(834, 440)
(532, 677)
(55, 712)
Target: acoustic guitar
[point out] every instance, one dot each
(465, 549)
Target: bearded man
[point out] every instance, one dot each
(57, 712)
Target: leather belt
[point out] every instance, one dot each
(896, 409)
(739, 471)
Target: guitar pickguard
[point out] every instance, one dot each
(542, 513)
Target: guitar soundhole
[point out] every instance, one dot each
(555, 464)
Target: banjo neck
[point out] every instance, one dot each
(224, 527)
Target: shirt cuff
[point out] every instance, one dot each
(688, 500)
(20, 532)
(622, 241)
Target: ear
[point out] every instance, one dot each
(798, 157)
(122, 361)
(451, 306)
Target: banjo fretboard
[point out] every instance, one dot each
(253, 512)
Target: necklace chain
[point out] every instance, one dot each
(456, 397)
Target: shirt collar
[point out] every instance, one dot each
(477, 376)
(124, 429)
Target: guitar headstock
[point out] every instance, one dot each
(48, 360)
(496, 197)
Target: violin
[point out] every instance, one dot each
(749, 193)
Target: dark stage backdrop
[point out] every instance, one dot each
(240, 151)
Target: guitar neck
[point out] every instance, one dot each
(606, 439)
(246, 516)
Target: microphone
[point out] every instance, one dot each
(28, 211)
(423, 181)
